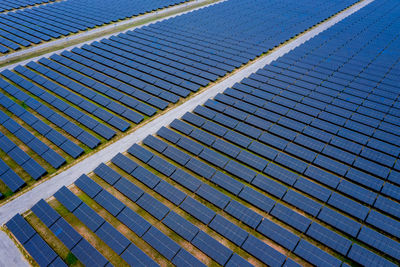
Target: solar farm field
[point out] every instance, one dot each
(296, 165)
(8, 5)
(43, 23)
(56, 109)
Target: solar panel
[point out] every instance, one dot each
(212, 248)
(263, 252)
(302, 202)
(153, 206)
(162, 243)
(169, 135)
(109, 202)
(226, 182)
(42, 253)
(236, 260)
(170, 192)
(155, 143)
(349, 206)
(190, 145)
(20, 228)
(140, 153)
(88, 255)
(329, 238)
(213, 157)
(134, 256)
(281, 174)
(184, 258)
(364, 256)
(107, 174)
(268, 185)
(176, 155)
(315, 255)
(200, 168)
(181, 226)
(181, 126)
(186, 180)
(228, 230)
(240, 171)
(88, 217)
(197, 210)
(87, 185)
(66, 233)
(291, 217)
(339, 221)
(257, 199)
(45, 213)
(146, 177)
(133, 221)
(67, 198)
(279, 234)
(243, 213)
(124, 163)
(113, 238)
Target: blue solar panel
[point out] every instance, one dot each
(291, 217)
(349, 206)
(124, 163)
(146, 177)
(186, 180)
(88, 217)
(66, 233)
(87, 185)
(135, 257)
(88, 255)
(228, 230)
(181, 226)
(133, 221)
(329, 238)
(109, 202)
(363, 256)
(339, 221)
(315, 255)
(213, 196)
(170, 192)
(257, 199)
(184, 258)
(226, 182)
(140, 153)
(279, 234)
(302, 202)
(42, 253)
(67, 198)
(197, 210)
(113, 238)
(263, 252)
(212, 248)
(45, 213)
(20, 228)
(243, 214)
(162, 243)
(153, 206)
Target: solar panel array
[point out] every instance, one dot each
(23, 28)
(298, 163)
(90, 94)
(6, 5)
